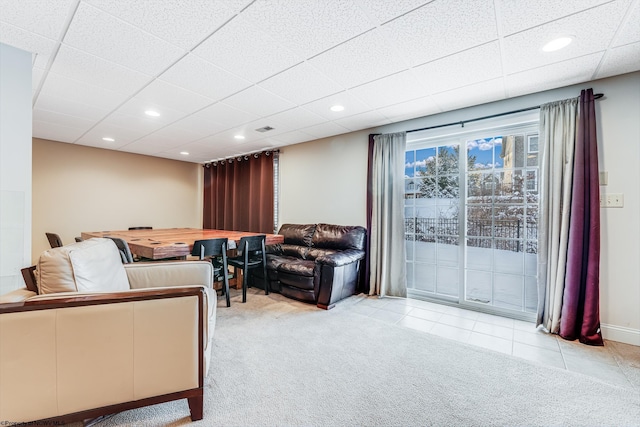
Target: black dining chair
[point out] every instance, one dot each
(54, 240)
(216, 251)
(140, 228)
(123, 247)
(251, 254)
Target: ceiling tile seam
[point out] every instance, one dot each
(455, 53)
(623, 23)
(341, 43)
(560, 19)
(499, 23)
(406, 13)
(54, 53)
(555, 63)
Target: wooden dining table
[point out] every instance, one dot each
(165, 243)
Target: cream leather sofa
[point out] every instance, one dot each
(103, 337)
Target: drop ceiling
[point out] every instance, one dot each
(215, 69)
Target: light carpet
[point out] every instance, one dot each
(278, 362)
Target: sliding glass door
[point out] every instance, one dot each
(471, 214)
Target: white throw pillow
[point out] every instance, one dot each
(93, 265)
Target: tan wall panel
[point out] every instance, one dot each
(78, 188)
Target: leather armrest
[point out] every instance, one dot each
(17, 295)
(341, 258)
(274, 249)
(161, 274)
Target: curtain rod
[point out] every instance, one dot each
(462, 122)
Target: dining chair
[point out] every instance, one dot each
(78, 239)
(251, 254)
(216, 251)
(54, 240)
(140, 228)
(123, 247)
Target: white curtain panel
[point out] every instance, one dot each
(557, 142)
(387, 253)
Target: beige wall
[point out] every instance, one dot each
(325, 181)
(78, 188)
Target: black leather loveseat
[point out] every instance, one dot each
(317, 263)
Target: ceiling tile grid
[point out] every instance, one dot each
(215, 68)
(103, 35)
(242, 49)
(593, 30)
(441, 28)
(197, 75)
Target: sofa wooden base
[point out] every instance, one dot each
(195, 398)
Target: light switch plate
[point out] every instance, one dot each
(612, 200)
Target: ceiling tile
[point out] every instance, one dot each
(217, 118)
(363, 120)
(196, 74)
(475, 94)
(182, 23)
(239, 46)
(301, 84)
(46, 18)
(352, 105)
(132, 113)
(517, 16)
(380, 11)
(293, 137)
(41, 47)
(295, 118)
(324, 130)
(410, 109)
(52, 117)
(162, 93)
(308, 27)
(630, 32)
(442, 28)
(360, 60)
(471, 66)
(71, 108)
(115, 127)
(624, 59)
(61, 87)
(390, 90)
(524, 50)
(37, 74)
(55, 132)
(176, 134)
(93, 70)
(258, 101)
(564, 73)
(107, 37)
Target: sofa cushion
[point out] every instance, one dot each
(93, 265)
(295, 251)
(297, 234)
(298, 267)
(314, 253)
(339, 237)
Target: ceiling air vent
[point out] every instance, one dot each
(264, 129)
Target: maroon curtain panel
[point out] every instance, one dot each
(238, 195)
(580, 316)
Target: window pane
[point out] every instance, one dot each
(447, 159)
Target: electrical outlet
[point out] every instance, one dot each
(612, 200)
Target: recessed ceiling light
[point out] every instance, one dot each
(337, 108)
(239, 137)
(106, 138)
(152, 113)
(557, 44)
(184, 153)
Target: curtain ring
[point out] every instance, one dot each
(268, 153)
(255, 155)
(246, 157)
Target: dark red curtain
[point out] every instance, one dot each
(238, 194)
(580, 305)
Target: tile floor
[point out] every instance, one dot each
(615, 363)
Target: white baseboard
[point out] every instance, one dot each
(620, 334)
